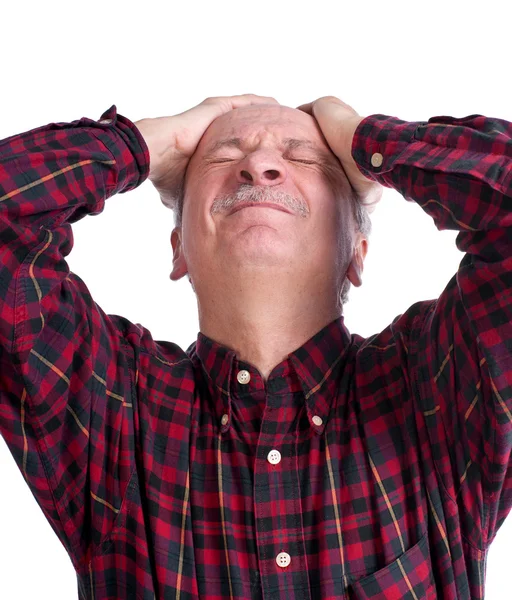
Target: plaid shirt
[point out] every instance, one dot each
(363, 468)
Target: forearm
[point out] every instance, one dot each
(458, 170)
(62, 171)
(51, 177)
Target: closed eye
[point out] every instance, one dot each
(305, 162)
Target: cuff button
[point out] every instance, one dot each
(377, 159)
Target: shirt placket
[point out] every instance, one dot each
(277, 505)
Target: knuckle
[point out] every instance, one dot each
(329, 99)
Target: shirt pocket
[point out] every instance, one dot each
(409, 577)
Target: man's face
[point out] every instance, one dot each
(264, 155)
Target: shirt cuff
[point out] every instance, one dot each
(378, 142)
(133, 166)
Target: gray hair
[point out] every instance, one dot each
(363, 225)
(359, 212)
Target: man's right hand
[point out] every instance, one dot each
(173, 140)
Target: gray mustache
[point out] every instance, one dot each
(249, 193)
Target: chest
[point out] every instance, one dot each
(281, 506)
(272, 509)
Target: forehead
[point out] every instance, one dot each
(256, 124)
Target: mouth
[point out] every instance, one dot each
(260, 204)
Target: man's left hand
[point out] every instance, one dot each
(338, 122)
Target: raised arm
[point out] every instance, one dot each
(460, 172)
(64, 377)
(460, 346)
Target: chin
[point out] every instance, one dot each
(259, 248)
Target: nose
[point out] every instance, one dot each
(261, 168)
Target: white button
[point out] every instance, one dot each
(224, 419)
(317, 420)
(377, 159)
(243, 376)
(105, 121)
(274, 457)
(283, 559)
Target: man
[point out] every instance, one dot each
(279, 456)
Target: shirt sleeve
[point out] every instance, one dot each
(65, 385)
(460, 172)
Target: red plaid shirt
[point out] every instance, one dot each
(363, 468)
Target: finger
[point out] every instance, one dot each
(249, 100)
(307, 108)
(202, 115)
(257, 99)
(220, 105)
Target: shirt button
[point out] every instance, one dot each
(283, 559)
(105, 121)
(317, 420)
(243, 376)
(274, 457)
(224, 419)
(377, 159)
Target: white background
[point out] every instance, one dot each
(61, 61)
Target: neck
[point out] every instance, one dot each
(263, 320)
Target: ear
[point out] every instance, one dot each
(355, 269)
(179, 265)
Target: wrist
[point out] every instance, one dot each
(349, 130)
(144, 127)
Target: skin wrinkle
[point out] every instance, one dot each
(289, 144)
(266, 280)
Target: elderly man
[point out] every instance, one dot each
(279, 456)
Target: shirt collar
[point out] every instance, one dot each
(314, 369)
